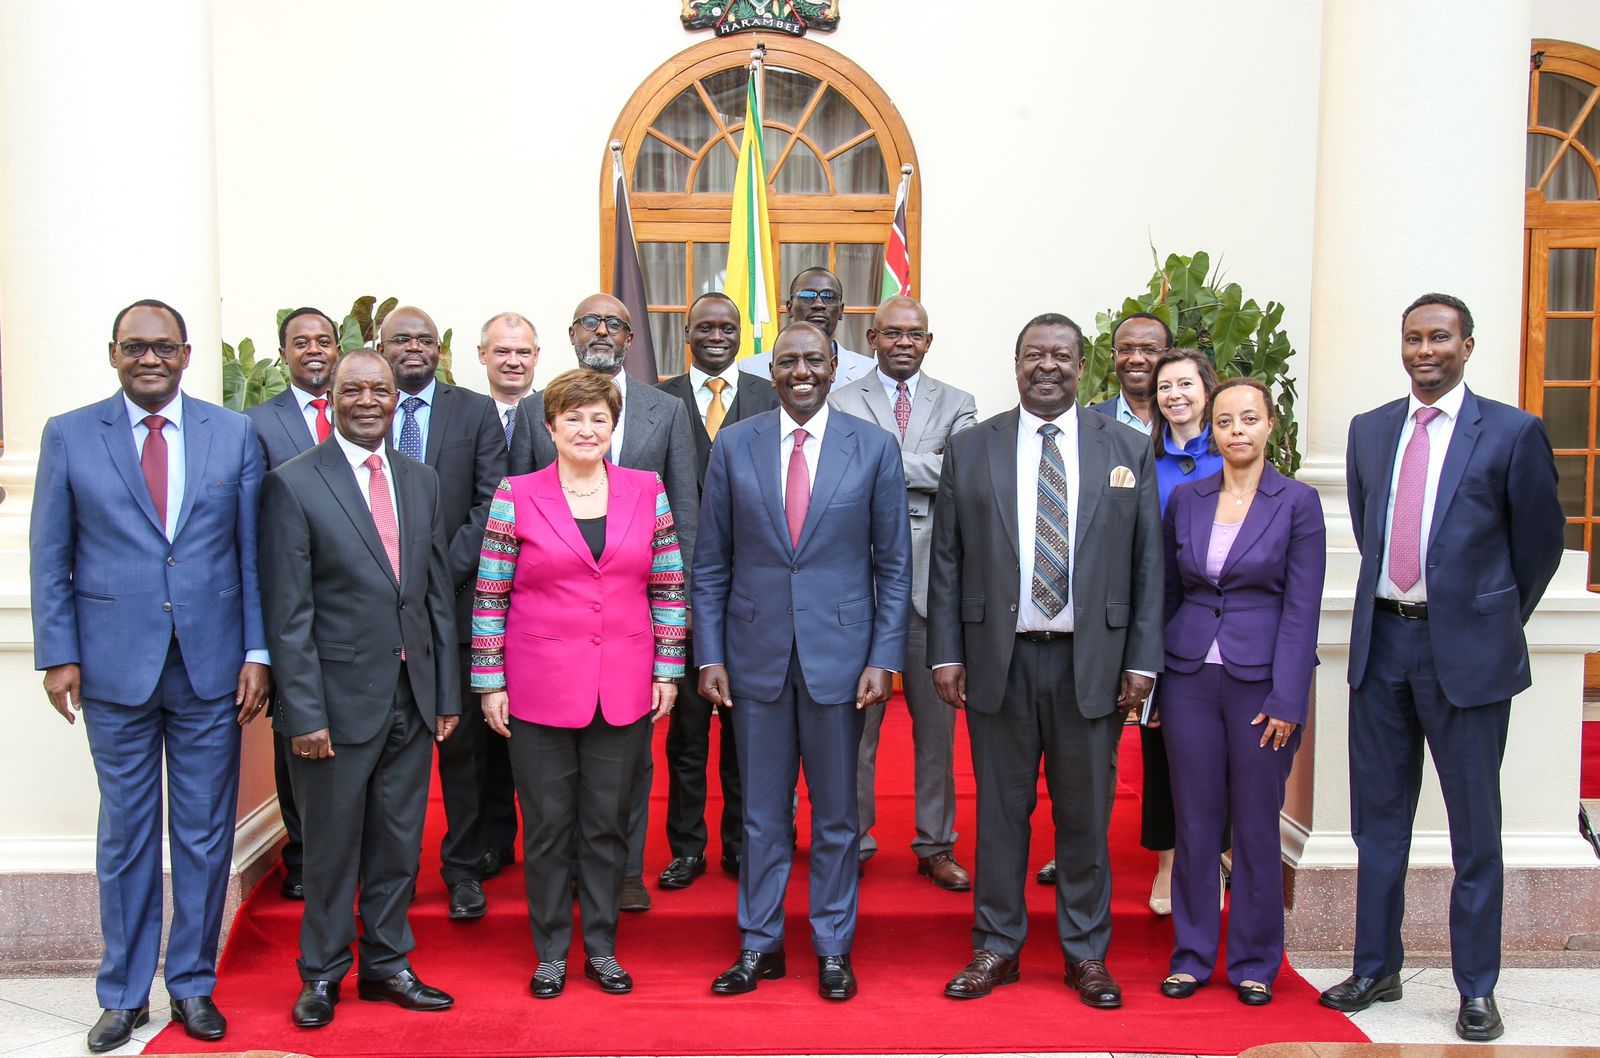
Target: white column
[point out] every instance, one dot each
(1420, 189)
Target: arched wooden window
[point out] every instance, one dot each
(1561, 368)
(834, 146)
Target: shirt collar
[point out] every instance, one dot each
(815, 427)
(1450, 403)
(427, 393)
(504, 407)
(890, 385)
(304, 399)
(698, 378)
(1029, 423)
(1196, 445)
(172, 411)
(358, 455)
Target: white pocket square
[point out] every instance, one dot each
(1122, 478)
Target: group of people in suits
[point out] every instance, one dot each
(508, 580)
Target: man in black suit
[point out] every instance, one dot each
(652, 434)
(459, 434)
(361, 625)
(1044, 624)
(286, 425)
(715, 393)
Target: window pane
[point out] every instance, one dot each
(685, 120)
(786, 94)
(659, 167)
(1573, 180)
(1574, 538)
(852, 332)
(1571, 280)
(1566, 348)
(1560, 99)
(1566, 419)
(1541, 149)
(802, 173)
(1594, 499)
(796, 257)
(1594, 560)
(835, 121)
(861, 272)
(666, 329)
(662, 264)
(710, 267)
(717, 169)
(1573, 474)
(727, 90)
(860, 170)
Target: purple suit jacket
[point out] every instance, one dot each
(1263, 610)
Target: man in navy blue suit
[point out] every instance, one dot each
(798, 630)
(147, 619)
(1454, 504)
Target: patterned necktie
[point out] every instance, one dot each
(797, 490)
(1405, 531)
(153, 461)
(410, 429)
(511, 424)
(321, 404)
(1051, 537)
(902, 408)
(717, 411)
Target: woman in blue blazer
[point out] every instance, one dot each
(1245, 555)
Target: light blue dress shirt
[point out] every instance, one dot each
(424, 414)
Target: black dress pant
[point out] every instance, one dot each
(293, 853)
(575, 785)
(499, 791)
(688, 749)
(461, 781)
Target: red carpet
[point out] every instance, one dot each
(1589, 774)
(911, 939)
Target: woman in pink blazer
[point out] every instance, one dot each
(578, 635)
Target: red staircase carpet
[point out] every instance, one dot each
(911, 939)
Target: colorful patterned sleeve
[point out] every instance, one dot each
(668, 613)
(497, 563)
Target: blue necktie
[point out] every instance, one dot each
(511, 425)
(1051, 539)
(410, 430)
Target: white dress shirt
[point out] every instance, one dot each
(811, 452)
(703, 392)
(891, 387)
(1030, 449)
(308, 414)
(502, 409)
(620, 380)
(358, 456)
(1440, 430)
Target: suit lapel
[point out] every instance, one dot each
(1003, 474)
(438, 417)
(882, 410)
(118, 436)
(921, 410)
(838, 447)
(340, 476)
(196, 446)
(416, 521)
(1462, 440)
(764, 449)
(622, 505)
(638, 422)
(294, 423)
(1202, 513)
(682, 387)
(552, 507)
(1094, 474)
(1376, 529)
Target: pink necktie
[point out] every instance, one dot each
(1405, 531)
(902, 408)
(383, 512)
(153, 461)
(797, 490)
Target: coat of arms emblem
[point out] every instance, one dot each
(793, 17)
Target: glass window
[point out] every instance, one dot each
(1566, 419)
(1571, 280)
(1566, 349)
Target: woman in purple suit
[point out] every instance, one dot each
(1245, 552)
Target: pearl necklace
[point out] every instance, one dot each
(581, 495)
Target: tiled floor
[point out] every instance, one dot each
(49, 1016)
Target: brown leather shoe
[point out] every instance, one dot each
(1094, 984)
(987, 971)
(943, 870)
(635, 897)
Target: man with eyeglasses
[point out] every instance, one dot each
(817, 297)
(147, 619)
(460, 435)
(921, 413)
(651, 434)
(1137, 343)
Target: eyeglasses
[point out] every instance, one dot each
(806, 297)
(1138, 350)
(590, 322)
(400, 341)
(894, 334)
(136, 350)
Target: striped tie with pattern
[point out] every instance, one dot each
(1052, 546)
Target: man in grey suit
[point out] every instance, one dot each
(286, 425)
(921, 413)
(1045, 582)
(651, 434)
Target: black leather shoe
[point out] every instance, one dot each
(835, 978)
(293, 887)
(199, 1017)
(1358, 993)
(466, 899)
(115, 1027)
(405, 989)
(751, 967)
(1094, 984)
(681, 872)
(1254, 993)
(314, 1008)
(987, 971)
(1479, 1020)
(495, 859)
(730, 863)
(615, 983)
(547, 988)
(1176, 987)
(1047, 874)
(635, 897)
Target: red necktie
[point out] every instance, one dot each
(321, 404)
(153, 461)
(902, 408)
(1405, 531)
(797, 490)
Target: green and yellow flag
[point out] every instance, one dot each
(752, 276)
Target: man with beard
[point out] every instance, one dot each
(460, 435)
(715, 393)
(801, 590)
(922, 413)
(1044, 624)
(288, 424)
(651, 434)
(817, 297)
